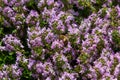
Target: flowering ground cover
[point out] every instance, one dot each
(59, 39)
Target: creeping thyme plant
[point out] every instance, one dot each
(59, 39)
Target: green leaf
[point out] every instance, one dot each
(83, 57)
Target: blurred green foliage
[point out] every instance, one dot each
(116, 40)
(7, 57)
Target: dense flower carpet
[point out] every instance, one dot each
(59, 39)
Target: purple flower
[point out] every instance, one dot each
(31, 63)
(9, 2)
(61, 26)
(2, 48)
(49, 2)
(67, 75)
(39, 67)
(11, 42)
(32, 18)
(69, 19)
(41, 3)
(48, 78)
(118, 10)
(50, 37)
(36, 42)
(117, 70)
(73, 30)
(35, 37)
(57, 43)
(1, 75)
(7, 11)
